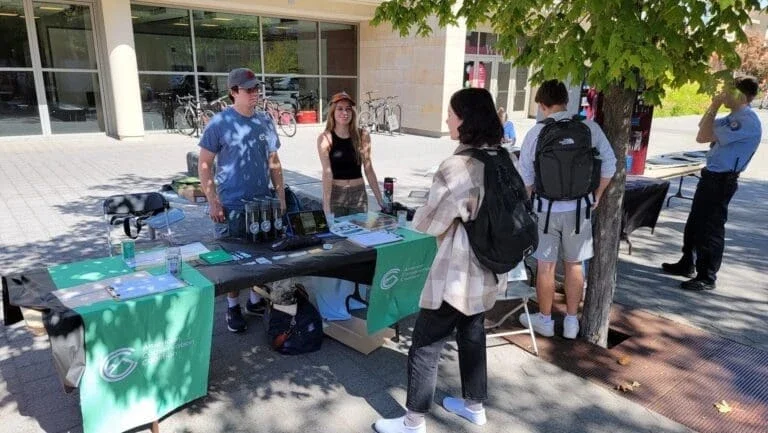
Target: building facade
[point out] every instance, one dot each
(117, 67)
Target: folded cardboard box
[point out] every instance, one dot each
(353, 333)
(189, 188)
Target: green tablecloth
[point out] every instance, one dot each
(143, 357)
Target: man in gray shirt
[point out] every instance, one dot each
(561, 233)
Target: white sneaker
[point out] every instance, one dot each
(570, 327)
(397, 425)
(540, 326)
(456, 405)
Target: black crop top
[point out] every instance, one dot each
(344, 164)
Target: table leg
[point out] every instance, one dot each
(356, 296)
(625, 238)
(155, 427)
(679, 193)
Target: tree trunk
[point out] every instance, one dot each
(617, 111)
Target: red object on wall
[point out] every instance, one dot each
(308, 116)
(640, 129)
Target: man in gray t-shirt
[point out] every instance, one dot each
(244, 144)
(561, 239)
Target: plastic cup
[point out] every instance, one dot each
(173, 261)
(402, 218)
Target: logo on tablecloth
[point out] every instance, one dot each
(118, 365)
(390, 278)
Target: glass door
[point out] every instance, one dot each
(503, 79)
(19, 113)
(70, 73)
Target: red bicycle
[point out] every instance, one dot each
(285, 119)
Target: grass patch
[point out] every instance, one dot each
(682, 102)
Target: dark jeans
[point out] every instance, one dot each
(704, 236)
(235, 224)
(432, 328)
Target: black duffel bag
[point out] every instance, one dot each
(293, 334)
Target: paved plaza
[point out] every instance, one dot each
(50, 212)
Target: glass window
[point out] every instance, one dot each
(225, 41)
(65, 36)
(18, 105)
(290, 46)
(288, 89)
(157, 101)
(14, 51)
(470, 46)
(162, 38)
(504, 77)
(212, 87)
(331, 86)
(73, 102)
(338, 47)
(487, 43)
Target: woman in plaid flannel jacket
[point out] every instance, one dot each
(458, 290)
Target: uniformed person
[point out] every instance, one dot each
(734, 139)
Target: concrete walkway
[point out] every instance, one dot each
(50, 195)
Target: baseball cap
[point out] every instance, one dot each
(342, 96)
(243, 78)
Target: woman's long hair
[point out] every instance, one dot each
(354, 131)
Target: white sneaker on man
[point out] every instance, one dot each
(541, 326)
(570, 327)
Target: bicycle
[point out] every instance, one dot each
(285, 119)
(381, 115)
(219, 105)
(189, 117)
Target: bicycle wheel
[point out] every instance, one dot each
(205, 118)
(184, 120)
(366, 120)
(287, 123)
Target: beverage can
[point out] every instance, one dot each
(389, 194)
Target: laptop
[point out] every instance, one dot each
(308, 223)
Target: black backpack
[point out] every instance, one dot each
(505, 230)
(566, 164)
(294, 335)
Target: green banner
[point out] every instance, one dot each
(144, 357)
(401, 270)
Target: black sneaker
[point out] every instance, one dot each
(256, 309)
(679, 268)
(235, 321)
(697, 285)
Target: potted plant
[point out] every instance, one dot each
(307, 105)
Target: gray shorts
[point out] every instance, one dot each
(562, 235)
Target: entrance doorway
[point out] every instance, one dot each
(49, 74)
(507, 84)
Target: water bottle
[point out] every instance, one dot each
(277, 219)
(265, 222)
(389, 194)
(252, 220)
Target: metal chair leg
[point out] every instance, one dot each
(530, 328)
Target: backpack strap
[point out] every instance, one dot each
(549, 212)
(578, 214)
(127, 226)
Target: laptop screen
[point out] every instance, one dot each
(311, 222)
